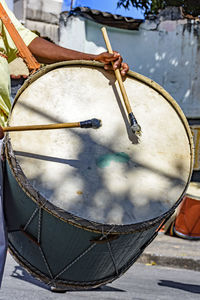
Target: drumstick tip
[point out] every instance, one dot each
(93, 123)
(136, 128)
(96, 123)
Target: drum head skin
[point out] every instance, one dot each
(107, 175)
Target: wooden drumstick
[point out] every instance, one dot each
(133, 122)
(93, 123)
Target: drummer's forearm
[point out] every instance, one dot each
(46, 52)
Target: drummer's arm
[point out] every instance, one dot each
(47, 53)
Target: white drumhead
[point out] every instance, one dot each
(105, 175)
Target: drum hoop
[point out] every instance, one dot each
(61, 213)
(67, 283)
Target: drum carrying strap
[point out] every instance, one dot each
(24, 52)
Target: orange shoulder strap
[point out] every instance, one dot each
(24, 52)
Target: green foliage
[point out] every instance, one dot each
(152, 6)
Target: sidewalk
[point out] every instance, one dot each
(172, 252)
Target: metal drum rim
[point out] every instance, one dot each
(66, 216)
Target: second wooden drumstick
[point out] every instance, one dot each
(93, 123)
(133, 122)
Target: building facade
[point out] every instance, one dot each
(165, 49)
(40, 15)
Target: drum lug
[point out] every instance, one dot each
(29, 236)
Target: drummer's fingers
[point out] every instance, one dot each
(112, 57)
(106, 57)
(117, 61)
(123, 69)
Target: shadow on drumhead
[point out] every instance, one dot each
(43, 113)
(95, 199)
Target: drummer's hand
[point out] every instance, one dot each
(116, 58)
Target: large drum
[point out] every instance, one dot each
(82, 204)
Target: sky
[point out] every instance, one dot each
(10, 4)
(105, 5)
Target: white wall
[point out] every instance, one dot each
(40, 15)
(167, 51)
(49, 6)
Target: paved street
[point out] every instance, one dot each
(141, 282)
(173, 252)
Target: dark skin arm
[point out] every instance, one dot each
(47, 53)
